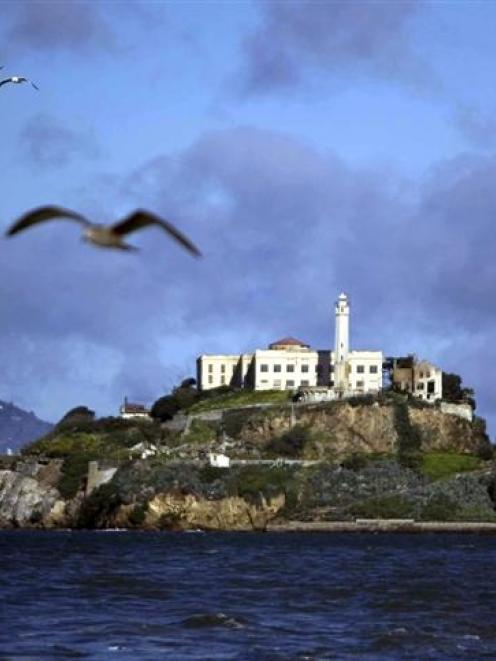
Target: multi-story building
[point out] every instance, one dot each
(290, 364)
(286, 364)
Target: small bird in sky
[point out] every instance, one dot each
(16, 80)
(105, 236)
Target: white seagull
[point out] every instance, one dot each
(105, 236)
(17, 80)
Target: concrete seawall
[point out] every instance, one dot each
(384, 525)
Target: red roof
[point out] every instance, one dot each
(289, 341)
(128, 407)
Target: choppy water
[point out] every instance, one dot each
(127, 595)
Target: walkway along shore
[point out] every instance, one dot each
(384, 525)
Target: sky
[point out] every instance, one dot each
(307, 148)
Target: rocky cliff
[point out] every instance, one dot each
(340, 461)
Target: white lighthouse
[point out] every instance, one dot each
(341, 343)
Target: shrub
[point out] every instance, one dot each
(383, 507)
(234, 421)
(290, 444)
(201, 431)
(409, 438)
(355, 462)
(362, 400)
(440, 508)
(252, 481)
(77, 414)
(99, 504)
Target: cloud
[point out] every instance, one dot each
(66, 26)
(46, 141)
(477, 127)
(296, 39)
(284, 227)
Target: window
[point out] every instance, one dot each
(277, 368)
(277, 383)
(331, 383)
(428, 375)
(305, 383)
(264, 381)
(210, 369)
(359, 384)
(264, 367)
(290, 383)
(223, 369)
(331, 368)
(360, 369)
(210, 378)
(373, 369)
(421, 375)
(420, 386)
(222, 380)
(304, 368)
(289, 368)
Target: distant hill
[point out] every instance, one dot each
(18, 427)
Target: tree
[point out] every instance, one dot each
(165, 408)
(181, 398)
(78, 414)
(454, 392)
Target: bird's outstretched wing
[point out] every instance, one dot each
(5, 81)
(40, 215)
(140, 219)
(32, 84)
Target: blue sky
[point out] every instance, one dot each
(306, 147)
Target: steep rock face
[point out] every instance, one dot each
(341, 429)
(232, 513)
(26, 501)
(188, 511)
(441, 431)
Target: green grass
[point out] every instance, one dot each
(241, 398)
(200, 432)
(442, 465)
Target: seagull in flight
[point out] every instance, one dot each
(105, 236)
(17, 80)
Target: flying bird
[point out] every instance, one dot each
(16, 80)
(106, 236)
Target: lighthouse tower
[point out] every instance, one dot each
(342, 343)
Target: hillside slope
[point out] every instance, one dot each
(19, 427)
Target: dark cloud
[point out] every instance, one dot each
(75, 27)
(46, 141)
(69, 26)
(296, 38)
(283, 228)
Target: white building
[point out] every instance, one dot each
(290, 364)
(285, 365)
(129, 410)
(354, 372)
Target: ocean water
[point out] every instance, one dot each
(133, 595)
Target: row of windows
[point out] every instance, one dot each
(361, 369)
(264, 367)
(222, 379)
(290, 383)
(210, 368)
